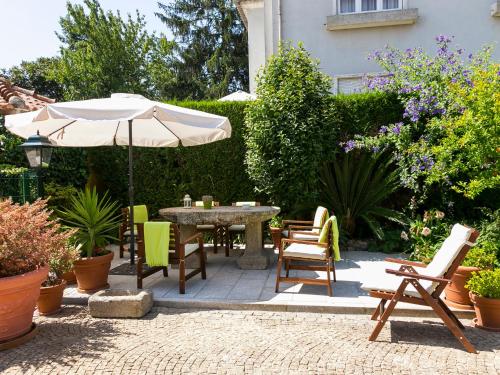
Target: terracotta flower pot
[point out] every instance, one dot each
(276, 236)
(18, 296)
(456, 293)
(487, 312)
(50, 299)
(69, 277)
(92, 273)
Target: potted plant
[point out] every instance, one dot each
(478, 258)
(484, 289)
(96, 220)
(27, 238)
(51, 293)
(276, 228)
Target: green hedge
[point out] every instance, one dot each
(18, 183)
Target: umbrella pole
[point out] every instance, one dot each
(131, 193)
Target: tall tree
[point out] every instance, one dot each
(104, 53)
(211, 46)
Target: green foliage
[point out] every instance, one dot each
(276, 222)
(490, 232)
(103, 53)
(287, 138)
(426, 235)
(482, 256)
(96, 219)
(355, 189)
(485, 283)
(59, 196)
(391, 243)
(211, 47)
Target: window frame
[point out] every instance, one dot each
(358, 7)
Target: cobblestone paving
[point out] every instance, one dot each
(246, 342)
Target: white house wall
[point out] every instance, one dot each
(344, 52)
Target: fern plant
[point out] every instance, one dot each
(356, 187)
(95, 217)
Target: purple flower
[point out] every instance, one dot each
(383, 129)
(375, 149)
(349, 145)
(397, 128)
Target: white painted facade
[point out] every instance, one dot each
(342, 41)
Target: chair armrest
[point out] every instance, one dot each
(290, 241)
(415, 275)
(193, 237)
(405, 262)
(288, 222)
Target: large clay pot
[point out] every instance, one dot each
(92, 273)
(487, 312)
(69, 277)
(18, 296)
(456, 293)
(50, 299)
(276, 236)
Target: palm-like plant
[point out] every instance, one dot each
(96, 219)
(355, 189)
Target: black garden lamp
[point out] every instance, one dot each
(38, 151)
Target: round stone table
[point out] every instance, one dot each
(254, 257)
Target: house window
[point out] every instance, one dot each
(356, 6)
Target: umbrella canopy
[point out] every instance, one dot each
(238, 96)
(104, 122)
(122, 119)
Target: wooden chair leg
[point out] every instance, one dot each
(379, 310)
(165, 272)
(383, 317)
(231, 241)
(278, 274)
(287, 267)
(227, 236)
(203, 265)
(215, 234)
(447, 320)
(328, 270)
(450, 313)
(334, 273)
(182, 277)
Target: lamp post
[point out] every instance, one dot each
(38, 151)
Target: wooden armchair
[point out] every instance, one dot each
(419, 284)
(311, 226)
(215, 230)
(293, 250)
(178, 252)
(124, 231)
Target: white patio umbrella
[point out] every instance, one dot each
(238, 96)
(123, 120)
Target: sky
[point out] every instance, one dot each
(29, 25)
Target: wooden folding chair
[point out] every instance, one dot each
(293, 250)
(422, 284)
(178, 252)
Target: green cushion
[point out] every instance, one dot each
(331, 223)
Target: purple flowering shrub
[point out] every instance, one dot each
(427, 87)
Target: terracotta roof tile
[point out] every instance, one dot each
(14, 99)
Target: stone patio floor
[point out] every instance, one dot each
(229, 287)
(189, 341)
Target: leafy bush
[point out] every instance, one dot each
(276, 222)
(94, 217)
(59, 196)
(286, 134)
(60, 261)
(355, 189)
(485, 283)
(482, 256)
(28, 238)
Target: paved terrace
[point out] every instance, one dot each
(229, 287)
(188, 341)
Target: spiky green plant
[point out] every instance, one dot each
(355, 188)
(95, 217)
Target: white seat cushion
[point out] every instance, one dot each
(319, 218)
(390, 283)
(312, 251)
(237, 228)
(127, 233)
(205, 227)
(190, 248)
(285, 233)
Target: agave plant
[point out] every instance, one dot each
(96, 219)
(355, 189)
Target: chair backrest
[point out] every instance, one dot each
(320, 218)
(450, 255)
(173, 245)
(253, 204)
(126, 217)
(200, 204)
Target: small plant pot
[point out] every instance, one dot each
(276, 234)
(487, 312)
(18, 296)
(69, 277)
(456, 294)
(207, 202)
(92, 273)
(50, 299)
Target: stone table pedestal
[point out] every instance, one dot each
(254, 257)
